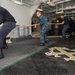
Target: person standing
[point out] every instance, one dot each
(65, 23)
(42, 20)
(9, 23)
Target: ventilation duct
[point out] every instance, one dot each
(59, 12)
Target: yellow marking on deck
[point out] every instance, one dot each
(62, 51)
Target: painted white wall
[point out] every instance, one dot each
(21, 13)
(33, 9)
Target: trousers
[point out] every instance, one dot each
(43, 34)
(5, 30)
(65, 28)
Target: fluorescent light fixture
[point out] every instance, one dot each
(18, 2)
(60, 12)
(50, 4)
(40, 9)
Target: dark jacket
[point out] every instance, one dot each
(5, 16)
(66, 21)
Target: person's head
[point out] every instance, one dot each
(38, 13)
(62, 16)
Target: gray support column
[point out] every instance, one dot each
(26, 31)
(16, 33)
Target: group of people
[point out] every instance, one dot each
(67, 24)
(9, 23)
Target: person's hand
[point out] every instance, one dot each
(35, 26)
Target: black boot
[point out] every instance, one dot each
(1, 55)
(64, 38)
(5, 46)
(46, 41)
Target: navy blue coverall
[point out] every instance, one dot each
(44, 28)
(8, 24)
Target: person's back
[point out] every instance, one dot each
(66, 21)
(44, 20)
(5, 16)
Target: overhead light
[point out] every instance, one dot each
(50, 4)
(18, 2)
(43, 1)
(39, 9)
(59, 12)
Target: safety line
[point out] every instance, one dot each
(24, 58)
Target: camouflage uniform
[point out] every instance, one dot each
(44, 28)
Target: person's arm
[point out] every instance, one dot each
(41, 21)
(37, 22)
(62, 22)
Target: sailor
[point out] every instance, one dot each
(8, 22)
(42, 20)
